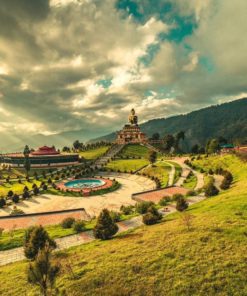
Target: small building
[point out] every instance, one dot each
(131, 132)
(227, 148)
(42, 157)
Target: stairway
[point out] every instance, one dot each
(114, 150)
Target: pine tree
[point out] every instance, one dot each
(105, 227)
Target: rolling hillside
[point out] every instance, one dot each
(228, 120)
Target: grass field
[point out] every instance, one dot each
(134, 150)
(94, 153)
(190, 182)
(164, 259)
(129, 165)
(178, 170)
(160, 170)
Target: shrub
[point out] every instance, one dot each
(25, 194)
(228, 176)
(2, 202)
(15, 198)
(35, 239)
(115, 216)
(105, 227)
(152, 216)
(164, 201)
(68, 222)
(211, 190)
(142, 207)
(225, 184)
(45, 187)
(36, 190)
(78, 226)
(10, 193)
(211, 172)
(177, 196)
(126, 210)
(181, 204)
(191, 193)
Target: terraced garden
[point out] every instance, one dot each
(123, 165)
(94, 153)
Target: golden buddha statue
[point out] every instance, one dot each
(133, 118)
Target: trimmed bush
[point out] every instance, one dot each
(181, 204)
(211, 190)
(152, 216)
(191, 193)
(115, 216)
(25, 194)
(127, 210)
(10, 193)
(164, 201)
(68, 222)
(78, 226)
(177, 196)
(2, 202)
(142, 207)
(105, 227)
(36, 190)
(15, 198)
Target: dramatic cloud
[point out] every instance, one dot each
(79, 64)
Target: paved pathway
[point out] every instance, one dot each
(171, 175)
(16, 254)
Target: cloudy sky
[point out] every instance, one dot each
(82, 64)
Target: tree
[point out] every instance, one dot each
(195, 149)
(212, 146)
(169, 142)
(181, 204)
(42, 272)
(187, 219)
(142, 207)
(105, 227)
(156, 136)
(152, 156)
(35, 239)
(77, 145)
(26, 164)
(179, 136)
(2, 202)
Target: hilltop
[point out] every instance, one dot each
(228, 120)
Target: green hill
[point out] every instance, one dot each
(228, 120)
(165, 259)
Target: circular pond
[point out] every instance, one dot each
(84, 183)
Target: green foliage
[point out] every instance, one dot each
(127, 210)
(152, 216)
(67, 222)
(211, 190)
(115, 216)
(2, 202)
(142, 207)
(15, 198)
(35, 239)
(79, 226)
(164, 201)
(181, 204)
(105, 227)
(42, 272)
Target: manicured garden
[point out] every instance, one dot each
(95, 153)
(127, 165)
(159, 170)
(134, 151)
(190, 182)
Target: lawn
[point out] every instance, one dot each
(16, 187)
(94, 153)
(127, 165)
(164, 259)
(178, 170)
(134, 150)
(190, 182)
(160, 170)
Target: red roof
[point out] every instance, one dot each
(45, 150)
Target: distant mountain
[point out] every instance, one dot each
(228, 120)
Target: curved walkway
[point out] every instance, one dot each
(17, 254)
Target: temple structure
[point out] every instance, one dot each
(131, 132)
(42, 157)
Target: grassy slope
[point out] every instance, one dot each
(94, 153)
(160, 170)
(135, 150)
(190, 182)
(164, 259)
(127, 165)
